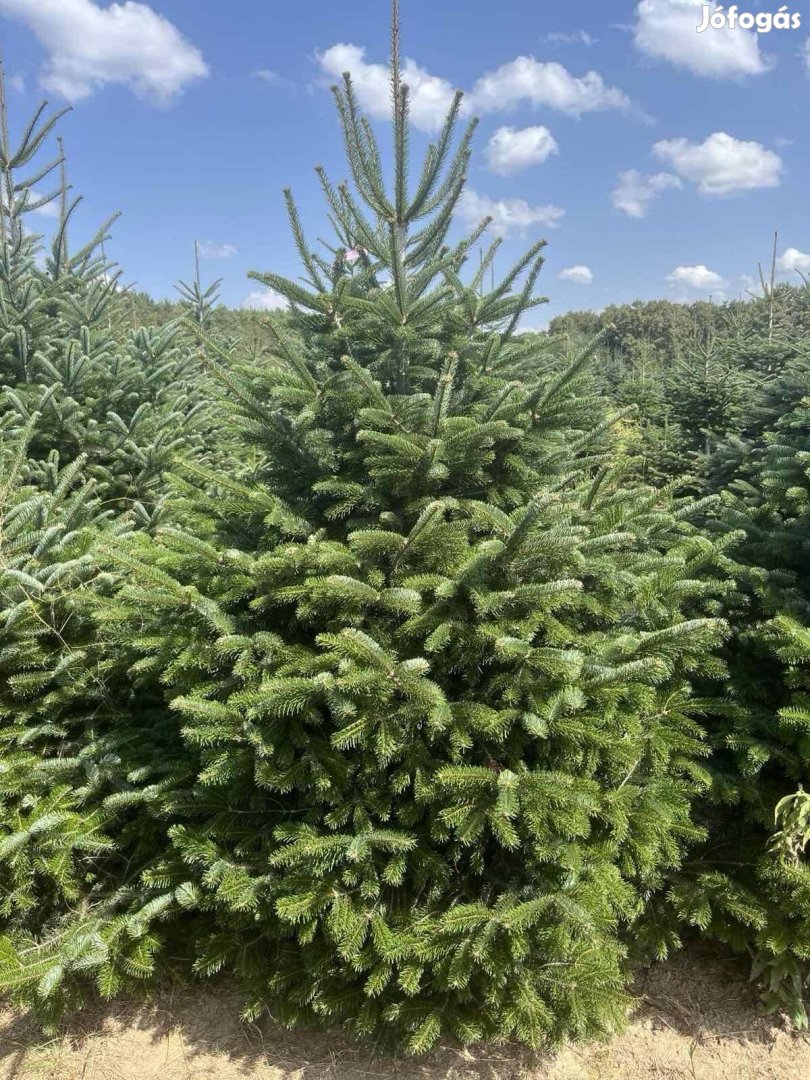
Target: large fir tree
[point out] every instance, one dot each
(430, 742)
(395, 717)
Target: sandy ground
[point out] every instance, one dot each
(696, 1019)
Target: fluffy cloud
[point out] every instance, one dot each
(510, 150)
(721, 164)
(634, 191)
(90, 46)
(264, 300)
(535, 82)
(792, 260)
(210, 249)
(667, 30)
(430, 96)
(508, 215)
(698, 278)
(581, 275)
(523, 79)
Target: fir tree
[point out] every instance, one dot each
(75, 758)
(742, 887)
(89, 420)
(125, 402)
(428, 663)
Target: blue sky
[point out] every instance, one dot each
(656, 161)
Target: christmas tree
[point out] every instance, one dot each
(90, 416)
(749, 885)
(428, 735)
(394, 719)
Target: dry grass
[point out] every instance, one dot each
(696, 1020)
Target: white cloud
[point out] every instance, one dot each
(667, 30)
(266, 75)
(575, 37)
(210, 249)
(91, 46)
(16, 83)
(581, 275)
(430, 96)
(508, 215)
(698, 278)
(265, 300)
(721, 164)
(792, 260)
(525, 79)
(634, 191)
(510, 150)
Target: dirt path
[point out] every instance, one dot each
(696, 1020)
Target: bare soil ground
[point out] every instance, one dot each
(696, 1019)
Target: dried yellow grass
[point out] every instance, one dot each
(696, 1019)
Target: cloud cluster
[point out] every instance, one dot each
(635, 191)
(523, 80)
(721, 164)
(792, 260)
(91, 46)
(508, 215)
(667, 30)
(540, 83)
(698, 278)
(430, 95)
(510, 150)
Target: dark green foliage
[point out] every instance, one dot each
(739, 888)
(124, 401)
(89, 419)
(709, 379)
(726, 400)
(77, 753)
(431, 669)
(350, 651)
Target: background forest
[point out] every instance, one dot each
(425, 675)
